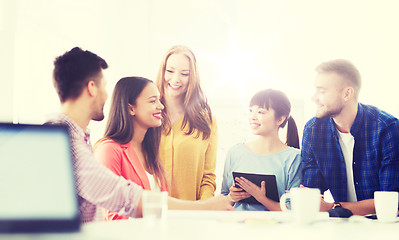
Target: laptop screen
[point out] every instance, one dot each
(36, 179)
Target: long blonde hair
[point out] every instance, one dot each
(197, 113)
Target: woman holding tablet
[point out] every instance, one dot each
(269, 110)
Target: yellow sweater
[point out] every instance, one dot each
(189, 162)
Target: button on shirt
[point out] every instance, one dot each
(375, 155)
(95, 184)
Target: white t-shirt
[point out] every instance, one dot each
(347, 142)
(153, 184)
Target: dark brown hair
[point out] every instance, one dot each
(197, 113)
(120, 124)
(281, 105)
(72, 71)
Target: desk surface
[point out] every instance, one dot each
(230, 225)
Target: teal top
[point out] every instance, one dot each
(285, 165)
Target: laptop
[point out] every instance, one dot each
(37, 184)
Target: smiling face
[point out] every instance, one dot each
(148, 109)
(263, 121)
(177, 75)
(329, 95)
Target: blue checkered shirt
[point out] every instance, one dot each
(375, 155)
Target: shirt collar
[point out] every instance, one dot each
(356, 126)
(333, 129)
(76, 128)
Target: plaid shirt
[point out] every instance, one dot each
(96, 184)
(375, 155)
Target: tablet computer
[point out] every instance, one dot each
(37, 182)
(271, 185)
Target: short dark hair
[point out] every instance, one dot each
(344, 68)
(72, 71)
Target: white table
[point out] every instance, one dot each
(206, 225)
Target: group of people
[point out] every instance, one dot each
(163, 136)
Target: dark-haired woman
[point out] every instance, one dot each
(131, 142)
(269, 110)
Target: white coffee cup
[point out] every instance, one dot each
(155, 205)
(386, 205)
(305, 204)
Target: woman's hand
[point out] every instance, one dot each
(257, 192)
(219, 203)
(237, 194)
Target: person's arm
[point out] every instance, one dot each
(208, 184)
(388, 172)
(293, 172)
(109, 155)
(139, 209)
(217, 203)
(259, 193)
(101, 187)
(227, 176)
(228, 186)
(357, 208)
(227, 181)
(389, 169)
(311, 175)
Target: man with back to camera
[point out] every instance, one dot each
(350, 148)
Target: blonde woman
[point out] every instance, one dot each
(188, 145)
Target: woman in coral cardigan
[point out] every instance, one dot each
(188, 146)
(131, 142)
